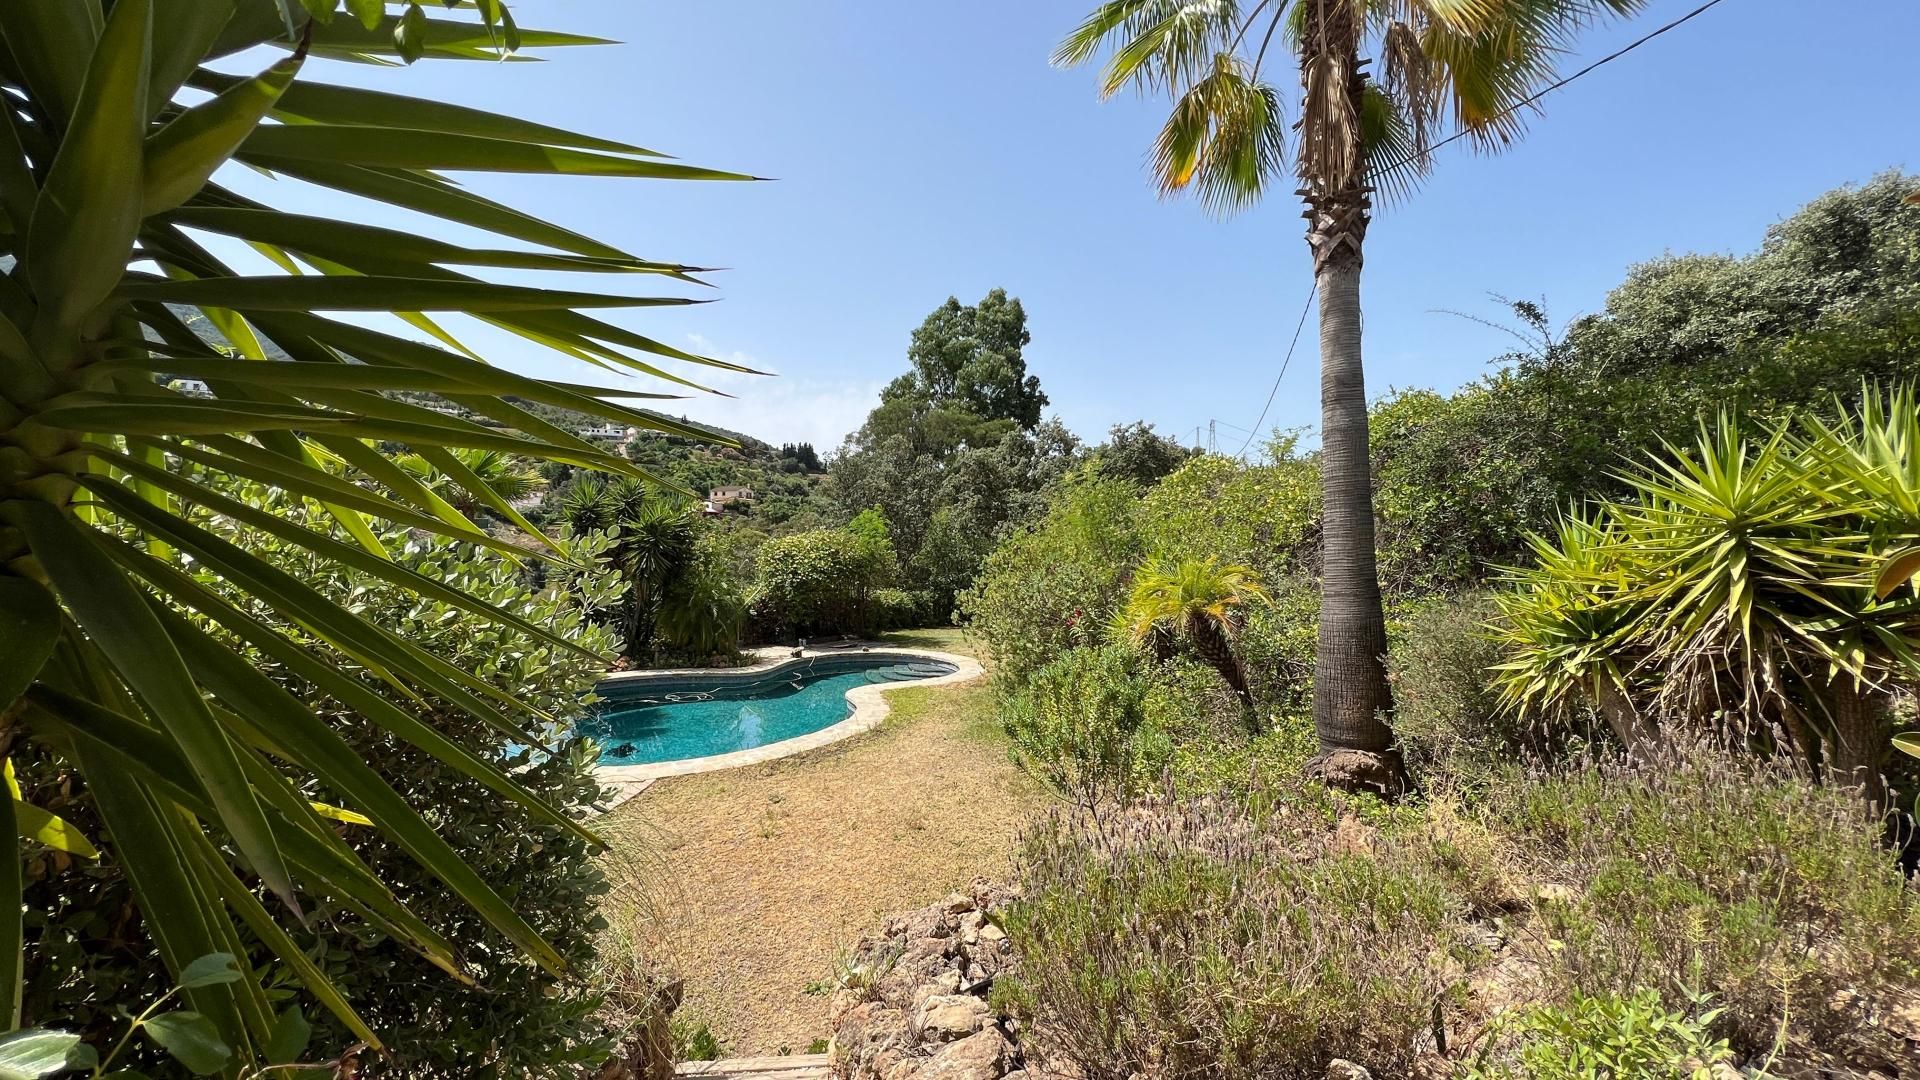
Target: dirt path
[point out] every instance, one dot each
(761, 877)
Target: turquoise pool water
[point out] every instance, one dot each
(650, 720)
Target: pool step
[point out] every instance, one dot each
(784, 1067)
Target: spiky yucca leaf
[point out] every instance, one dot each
(111, 157)
(1738, 586)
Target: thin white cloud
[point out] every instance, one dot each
(774, 408)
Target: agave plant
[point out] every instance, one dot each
(114, 129)
(1742, 587)
(1203, 602)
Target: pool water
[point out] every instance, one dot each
(652, 720)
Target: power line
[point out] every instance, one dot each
(1297, 327)
(1375, 174)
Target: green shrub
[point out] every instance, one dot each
(904, 609)
(1720, 873)
(1082, 725)
(1612, 1037)
(1448, 718)
(1196, 939)
(818, 583)
(1265, 516)
(1055, 585)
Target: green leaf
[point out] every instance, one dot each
(113, 614)
(36, 1052)
(33, 823)
(357, 244)
(324, 103)
(369, 12)
(281, 293)
(426, 195)
(1900, 568)
(401, 148)
(329, 548)
(192, 1040)
(209, 970)
(12, 932)
(410, 34)
(1908, 743)
(88, 211)
(291, 1033)
(439, 37)
(29, 627)
(182, 156)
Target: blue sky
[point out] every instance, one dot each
(925, 150)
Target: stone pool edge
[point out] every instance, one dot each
(870, 709)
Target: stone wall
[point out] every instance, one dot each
(913, 1002)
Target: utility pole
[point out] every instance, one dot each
(1212, 443)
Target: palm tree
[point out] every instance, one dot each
(653, 546)
(1227, 140)
(115, 134)
(1203, 602)
(483, 480)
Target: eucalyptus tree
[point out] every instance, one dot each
(1227, 139)
(115, 126)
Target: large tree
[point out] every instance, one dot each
(968, 357)
(1227, 138)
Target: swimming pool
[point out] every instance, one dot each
(648, 720)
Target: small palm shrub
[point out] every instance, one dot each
(1740, 589)
(1201, 603)
(1195, 938)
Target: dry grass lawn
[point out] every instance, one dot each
(757, 879)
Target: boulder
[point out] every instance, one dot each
(946, 1017)
(980, 1056)
(1342, 1069)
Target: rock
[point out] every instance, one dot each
(980, 1056)
(1342, 1069)
(1720, 1070)
(957, 903)
(991, 933)
(946, 1017)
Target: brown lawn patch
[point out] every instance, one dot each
(759, 878)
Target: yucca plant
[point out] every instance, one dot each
(114, 128)
(1740, 587)
(1202, 602)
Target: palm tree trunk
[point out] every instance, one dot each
(1351, 697)
(1216, 649)
(1350, 691)
(1862, 737)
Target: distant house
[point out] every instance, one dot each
(719, 497)
(604, 431)
(193, 387)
